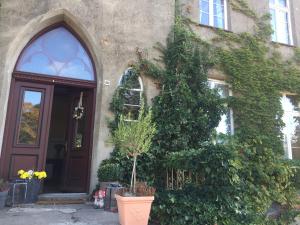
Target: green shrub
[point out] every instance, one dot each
(296, 164)
(109, 172)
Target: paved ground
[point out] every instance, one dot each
(57, 215)
(82, 214)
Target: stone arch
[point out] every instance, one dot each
(25, 34)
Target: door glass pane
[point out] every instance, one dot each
(29, 120)
(79, 130)
(79, 133)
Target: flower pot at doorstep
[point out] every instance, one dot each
(134, 210)
(104, 185)
(3, 197)
(33, 189)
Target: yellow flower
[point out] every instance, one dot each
(36, 173)
(20, 172)
(42, 175)
(24, 175)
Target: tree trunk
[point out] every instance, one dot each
(133, 176)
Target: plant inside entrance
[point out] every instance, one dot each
(134, 138)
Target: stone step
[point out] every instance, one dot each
(62, 198)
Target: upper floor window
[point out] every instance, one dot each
(213, 13)
(132, 89)
(57, 53)
(280, 21)
(226, 124)
(291, 130)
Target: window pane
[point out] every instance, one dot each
(219, 2)
(224, 126)
(204, 6)
(293, 103)
(204, 18)
(272, 1)
(131, 112)
(273, 23)
(282, 28)
(218, 22)
(57, 53)
(29, 120)
(132, 97)
(223, 89)
(218, 16)
(130, 80)
(291, 129)
(282, 3)
(218, 10)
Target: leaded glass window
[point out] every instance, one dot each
(131, 91)
(57, 53)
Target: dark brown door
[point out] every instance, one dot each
(78, 144)
(27, 127)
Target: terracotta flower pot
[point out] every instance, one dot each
(134, 210)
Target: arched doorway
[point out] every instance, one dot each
(51, 108)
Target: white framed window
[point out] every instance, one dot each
(132, 90)
(213, 13)
(226, 125)
(281, 21)
(291, 130)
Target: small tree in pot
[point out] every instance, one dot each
(134, 138)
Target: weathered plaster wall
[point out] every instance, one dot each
(238, 22)
(112, 31)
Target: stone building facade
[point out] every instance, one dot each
(111, 32)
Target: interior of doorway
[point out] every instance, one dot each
(58, 140)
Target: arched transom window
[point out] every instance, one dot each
(57, 53)
(132, 89)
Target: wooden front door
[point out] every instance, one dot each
(27, 128)
(78, 143)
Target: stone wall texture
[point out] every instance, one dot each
(112, 30)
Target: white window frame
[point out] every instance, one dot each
(289, 153)
(211, 14)
(229, 94)
(277, 8)
(141, 89)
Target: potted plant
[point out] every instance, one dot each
(108, 173)
(4, 187)
(33, 179)
(134, 138)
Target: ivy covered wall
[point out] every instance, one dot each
(234, 179)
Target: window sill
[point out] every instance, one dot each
(283, 44)
(213, 28)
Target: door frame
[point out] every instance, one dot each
(53, 80)
(50, 80)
